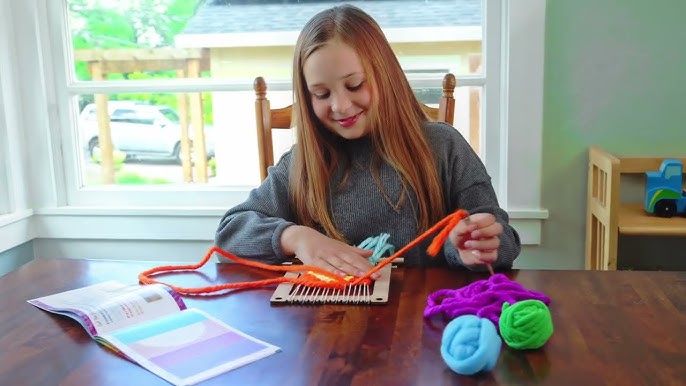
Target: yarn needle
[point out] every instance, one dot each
(490, 269)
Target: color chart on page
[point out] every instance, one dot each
(190, 345)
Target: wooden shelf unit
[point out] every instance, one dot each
(607, 217)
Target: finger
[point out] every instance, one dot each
(325, 265)
(470, 258)
(493, 230)
(353, 265)
(359, 263)
(483, 244)
(485, 256)
(460, 233)
(363, 252)
(341, 267)
(482, 218)
(466, 225)
(362, 264)
(335, 271)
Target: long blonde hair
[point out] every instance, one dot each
(396, 120)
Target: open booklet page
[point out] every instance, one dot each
(109, 306)
(188, 347)
(151, 326)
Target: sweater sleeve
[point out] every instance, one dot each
(467, 186)
(253, 228)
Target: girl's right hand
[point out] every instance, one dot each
(314, 248)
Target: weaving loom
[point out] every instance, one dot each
(374, 293)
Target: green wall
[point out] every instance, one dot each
(615, 77)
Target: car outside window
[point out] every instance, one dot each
(138, 132)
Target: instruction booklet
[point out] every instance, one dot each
(151, 326)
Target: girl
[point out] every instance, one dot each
(366, 161)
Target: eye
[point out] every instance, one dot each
(355, 88)
(321, 96)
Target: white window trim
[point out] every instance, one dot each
(15, 215)
(518, 156)
(519, 151)
(5, 188)
(6, 73)
(521, 156)
(288, 38)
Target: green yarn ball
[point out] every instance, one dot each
(526, 324)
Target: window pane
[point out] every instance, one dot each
(229, 43)
(469, 122)
(146, 138)
(467, 109)
(161, 39)
(147, 131)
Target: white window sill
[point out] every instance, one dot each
(16, 229)
(528, 223)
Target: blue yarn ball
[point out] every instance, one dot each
(470, 344)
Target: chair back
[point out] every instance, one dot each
(268, 119)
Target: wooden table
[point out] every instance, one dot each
(611, 327)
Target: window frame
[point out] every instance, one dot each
(6, 72)
(15, 215)
(511, 122)
(150, 196)
(5, 188)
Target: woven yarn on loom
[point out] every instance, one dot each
(483, 298)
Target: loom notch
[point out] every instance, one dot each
(377, 293)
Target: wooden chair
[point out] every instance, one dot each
(269, 119)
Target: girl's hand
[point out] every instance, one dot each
(477, 239)
(314, 248)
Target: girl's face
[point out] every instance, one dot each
(340, 93)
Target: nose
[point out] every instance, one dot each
(340, 103)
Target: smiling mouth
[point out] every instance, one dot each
(347, 122)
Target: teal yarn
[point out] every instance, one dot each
(379, 244)
(526, 324)
(470, 344)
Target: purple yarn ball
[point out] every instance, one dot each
(483, 298)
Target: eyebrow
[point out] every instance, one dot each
(342, 77)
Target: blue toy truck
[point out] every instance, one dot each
(665, 196)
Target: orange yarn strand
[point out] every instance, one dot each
(446, 224)
(332, 281)
(314, 276)
(440, 239)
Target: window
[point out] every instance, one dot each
(499, 76)
(196, 62)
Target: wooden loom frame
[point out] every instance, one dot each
(288, 293)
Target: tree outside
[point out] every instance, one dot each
(131, 25)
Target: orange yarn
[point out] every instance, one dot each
(313, 276)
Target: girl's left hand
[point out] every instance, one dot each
(477, 239)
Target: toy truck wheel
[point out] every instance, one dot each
(665, 208)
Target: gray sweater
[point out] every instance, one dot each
(253, 228)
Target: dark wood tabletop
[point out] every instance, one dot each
(610, 328)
